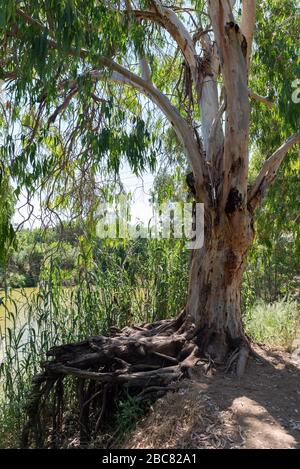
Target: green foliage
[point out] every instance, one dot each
(7, 234)
(273, 262)
(272, 270)
(101, 125)
(27, 263)
(121, 268)
(129, 411)
(275, 66)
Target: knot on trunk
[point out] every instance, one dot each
(230, 25)
(204, 64)
(234, 201)
(190, 181)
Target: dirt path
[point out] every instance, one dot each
(260, 411)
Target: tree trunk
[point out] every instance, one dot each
(215, 277)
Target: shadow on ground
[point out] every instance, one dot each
(261, 410)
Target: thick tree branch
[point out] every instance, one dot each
(209, 102)
(169, 20)
(230, 43)
(248, 25)
(268, 172)
(145, 69)
(214, 126)
(262, 99)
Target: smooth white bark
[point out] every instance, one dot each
(248, 25)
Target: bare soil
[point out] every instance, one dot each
(217, 410)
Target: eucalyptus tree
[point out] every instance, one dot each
(94, 81)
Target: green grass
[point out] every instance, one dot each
(274, 324)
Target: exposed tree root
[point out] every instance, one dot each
(145, 360)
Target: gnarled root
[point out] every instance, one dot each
(145, 360)
(237, 360)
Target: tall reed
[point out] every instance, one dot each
(118, 285)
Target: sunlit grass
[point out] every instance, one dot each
(274, 324)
